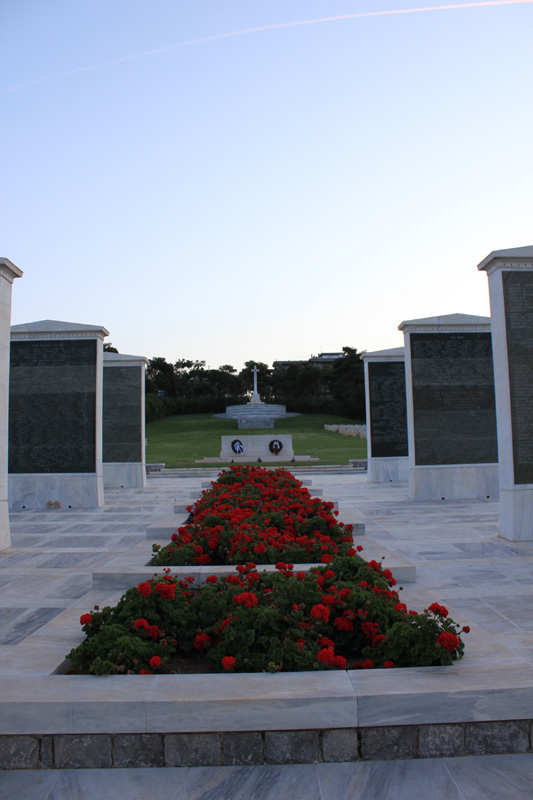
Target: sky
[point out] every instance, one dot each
(281, 191)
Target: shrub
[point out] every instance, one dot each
(337, 616)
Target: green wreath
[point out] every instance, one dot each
(238, 450)
(275, 449)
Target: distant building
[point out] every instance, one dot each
(321, 360)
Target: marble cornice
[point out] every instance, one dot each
(481, 328)
(9, 271)
(373, 359)
(514, 265)
(58, 335)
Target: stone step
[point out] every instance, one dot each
(83, 721)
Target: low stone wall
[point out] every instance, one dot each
(348, 430)
(124, 750)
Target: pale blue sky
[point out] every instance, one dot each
(263, 196)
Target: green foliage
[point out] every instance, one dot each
(302, 387)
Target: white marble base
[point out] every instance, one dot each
(5, 535)
(70, 490)
(388, 470)
(122, 475)
(454, 482)
(516, 513)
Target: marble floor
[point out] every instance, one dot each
(508, 777)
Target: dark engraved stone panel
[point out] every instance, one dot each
(122, 427)
(388, 409)
(453, 398)
(52, 406)
(518, 300)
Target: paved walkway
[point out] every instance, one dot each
(482, 778)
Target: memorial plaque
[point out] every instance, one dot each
(518, 303)
(122, 424)
(388, 409)
(52, 406)
(453, 398)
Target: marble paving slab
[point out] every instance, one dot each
(507, 777)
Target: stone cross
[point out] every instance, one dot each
(255, 399)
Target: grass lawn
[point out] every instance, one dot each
(179, 441)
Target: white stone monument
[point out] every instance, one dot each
(510, 274)
(256, 413)
(255, 398)
(451, 409)
(386, 416)
(124, 463)
(55, 419)
(8, 273)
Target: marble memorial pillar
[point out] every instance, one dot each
(55, 421)
(124, 462)
(386, 416)
(451, 411)
(510, 275)
(8, 273)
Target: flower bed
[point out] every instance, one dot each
(343, 615)
(340, 615)
(259, 515)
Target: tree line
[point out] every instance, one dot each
(188, 387)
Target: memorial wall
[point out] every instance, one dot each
(454, 407)
(52, 397)
(388, 409)
(518, 304)
(122, 418)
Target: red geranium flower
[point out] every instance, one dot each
(145, 589)
(228, 662)
(86, 619)
(326, 655)
(166, 591)
(320, 611)
(439, 611)
(202, 641)
(248, 599)
(155, 661)
(449, 641)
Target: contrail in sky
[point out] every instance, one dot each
(274, 26)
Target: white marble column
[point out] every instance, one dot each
(8, 273)
(451, 417)
(510, 275)
(386, 416)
